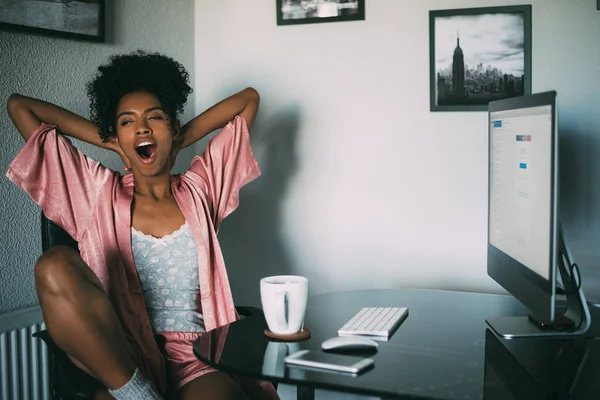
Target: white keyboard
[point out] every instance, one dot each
(374, 321)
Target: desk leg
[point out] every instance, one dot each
(305, 393)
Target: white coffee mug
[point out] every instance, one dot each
(283, 300)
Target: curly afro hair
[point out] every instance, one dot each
(154, 73)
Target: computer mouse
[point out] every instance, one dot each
(349, 343)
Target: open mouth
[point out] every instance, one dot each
(146, 150)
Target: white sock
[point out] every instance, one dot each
(138, 387)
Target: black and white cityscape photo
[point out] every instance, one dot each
(311, 11)
(69, 17)
(480, 58)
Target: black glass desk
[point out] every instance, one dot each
(443, 350)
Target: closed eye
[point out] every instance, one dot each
(125, 122)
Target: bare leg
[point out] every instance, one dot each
(80, 318)
(216, 385)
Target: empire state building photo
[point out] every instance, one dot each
(479, 58)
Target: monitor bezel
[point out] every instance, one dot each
(534, 291)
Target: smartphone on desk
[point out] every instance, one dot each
(328, 361)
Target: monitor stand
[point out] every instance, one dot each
(575, 321)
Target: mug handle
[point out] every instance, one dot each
(281, 308)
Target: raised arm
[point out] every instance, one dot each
(244, 103)
(59, 178)
(27, 114)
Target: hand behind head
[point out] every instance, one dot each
(113, 145)
(124, 158)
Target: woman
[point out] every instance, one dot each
(149, 261)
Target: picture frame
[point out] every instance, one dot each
(296, 12)
(72, 19)
(494, 60)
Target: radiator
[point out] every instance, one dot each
(24, 373)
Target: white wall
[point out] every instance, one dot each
(56, 70)
(362, 186)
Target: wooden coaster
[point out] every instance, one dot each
(304, 334)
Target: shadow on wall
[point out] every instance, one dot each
(580, 203)
(251, 236)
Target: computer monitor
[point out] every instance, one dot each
(526, 252)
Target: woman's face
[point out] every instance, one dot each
(145, 134)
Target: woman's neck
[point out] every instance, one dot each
(156, 187)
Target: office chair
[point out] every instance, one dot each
(67, 382)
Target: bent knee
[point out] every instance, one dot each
(55, 268)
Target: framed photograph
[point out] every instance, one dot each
(295, 12)
(478, 55)
(82, 19)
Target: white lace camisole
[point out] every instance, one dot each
(168, 271)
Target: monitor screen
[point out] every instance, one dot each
(526, 247)
(520, 167)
